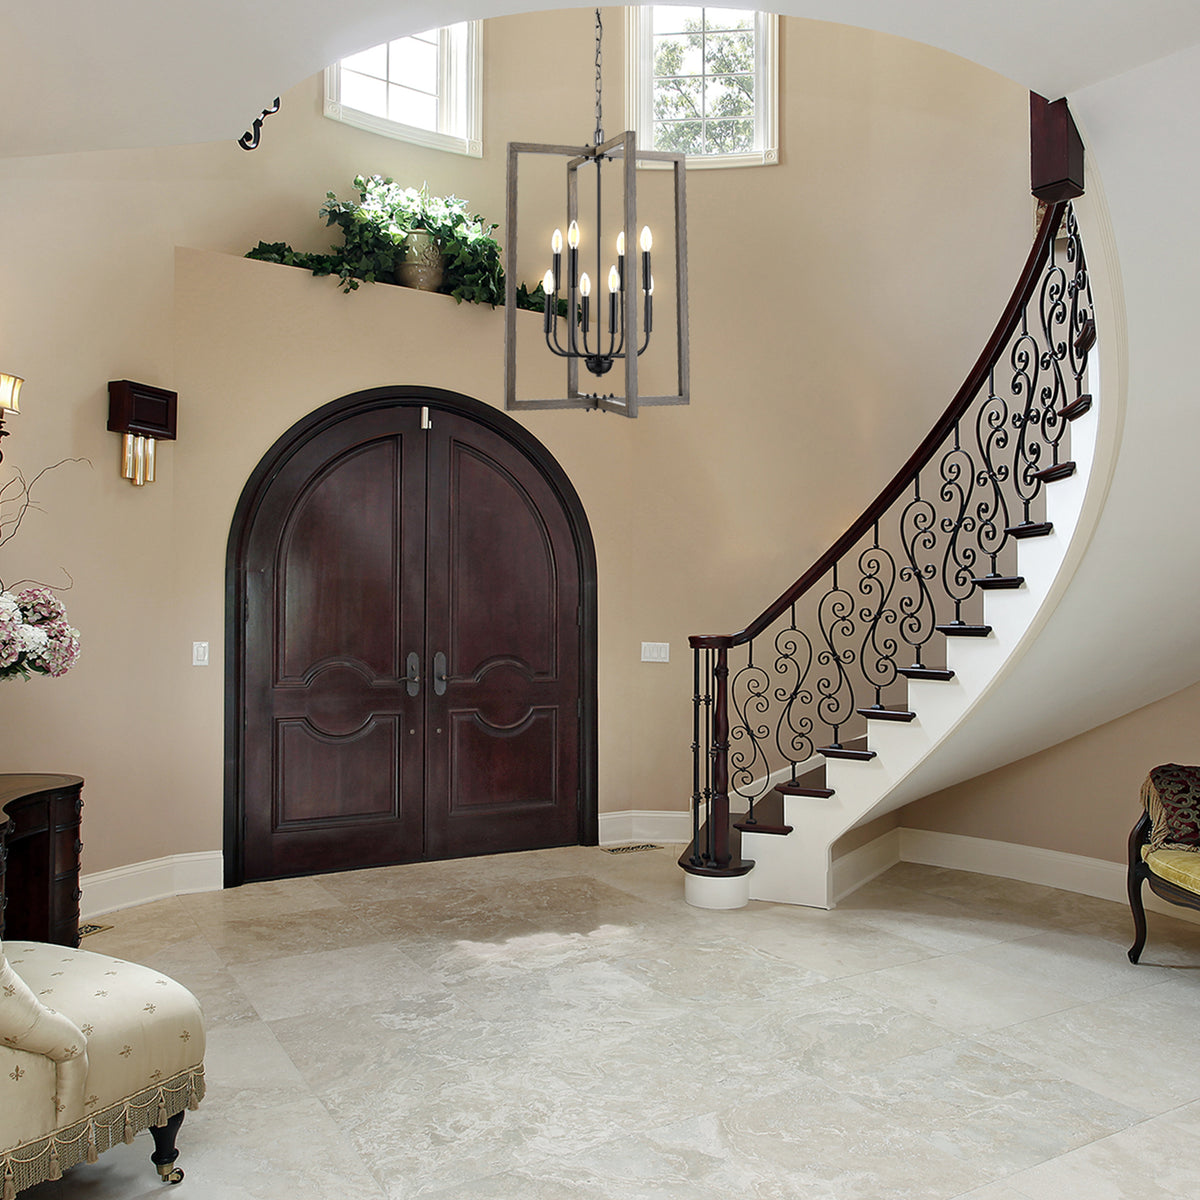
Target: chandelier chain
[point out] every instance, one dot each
(599, 134)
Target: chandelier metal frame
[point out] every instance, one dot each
(628, 281)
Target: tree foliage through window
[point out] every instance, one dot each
(704, 72)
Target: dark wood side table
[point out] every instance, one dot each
(39, 885)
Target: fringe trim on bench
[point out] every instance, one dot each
(49, 1156)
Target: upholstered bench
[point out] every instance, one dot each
(1164, 846)
(92, 1050)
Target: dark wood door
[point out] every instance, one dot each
(412, 650)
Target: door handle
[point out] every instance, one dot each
(412, 680)
(439, 674)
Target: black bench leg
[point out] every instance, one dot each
(165, 1154)
(1139, 914)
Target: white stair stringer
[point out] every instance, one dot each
(796, 868)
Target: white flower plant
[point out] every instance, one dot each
(35, 635)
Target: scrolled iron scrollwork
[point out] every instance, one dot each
(793, 661)
(877, 582)
(991, 473)
(834, 687)
(749, 692)
(959, 557)
(918, 617)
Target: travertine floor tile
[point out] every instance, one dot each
(559, 1025)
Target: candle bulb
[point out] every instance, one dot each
(585, 290)
(621, 257)
(556, 249)
(550, 290)
(572, 251)
(647, 240)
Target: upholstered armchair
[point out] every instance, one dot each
(92, 1051)
(1164, 846)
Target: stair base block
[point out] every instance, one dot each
(716, 891)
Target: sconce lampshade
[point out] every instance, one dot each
(10, 392)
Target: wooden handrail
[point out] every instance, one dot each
(1022, 294)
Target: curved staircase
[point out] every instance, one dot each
(808, 721)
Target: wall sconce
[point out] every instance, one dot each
(10, 393)
(144, 415)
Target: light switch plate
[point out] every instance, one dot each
(658, 652)
(199, 654)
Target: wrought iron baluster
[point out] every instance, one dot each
(750, 696)
(1055, 318)
(1082, 323)
(991, 436)
(958, 560)
(877, 582)
(793, 733)
(1027, 450)
(918, 618)
(835, 616)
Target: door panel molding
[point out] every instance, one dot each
(242, 592)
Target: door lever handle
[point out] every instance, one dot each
(412, 679)
(439, 674)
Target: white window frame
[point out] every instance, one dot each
(639, 89)
(460, 97)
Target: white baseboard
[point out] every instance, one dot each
(645, 825)
(860, 866)
(139, 883)
(1030, 864)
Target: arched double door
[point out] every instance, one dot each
(411, 619)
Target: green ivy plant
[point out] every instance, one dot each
(373, 231)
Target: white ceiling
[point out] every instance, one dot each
(108, 74)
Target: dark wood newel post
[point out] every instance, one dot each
(718, 817)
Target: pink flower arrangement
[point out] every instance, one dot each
(35, 635)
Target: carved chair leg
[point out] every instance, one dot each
(165, 1154)
(1139, 914)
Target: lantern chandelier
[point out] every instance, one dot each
(599, 336)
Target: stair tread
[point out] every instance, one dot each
(1030, 529)
(886, 714)
(1060, 470)
(1077, 407)
(991, 583)
(799, 789)
(842, 752)
(941, 674)
(768, 817)
(962, 629)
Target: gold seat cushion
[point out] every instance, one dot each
(1180, 867)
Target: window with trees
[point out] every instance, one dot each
(426, 88)
(704, 81)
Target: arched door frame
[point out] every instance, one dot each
(316, 423)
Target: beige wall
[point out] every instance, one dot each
(828, 326)
(1080, 796)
